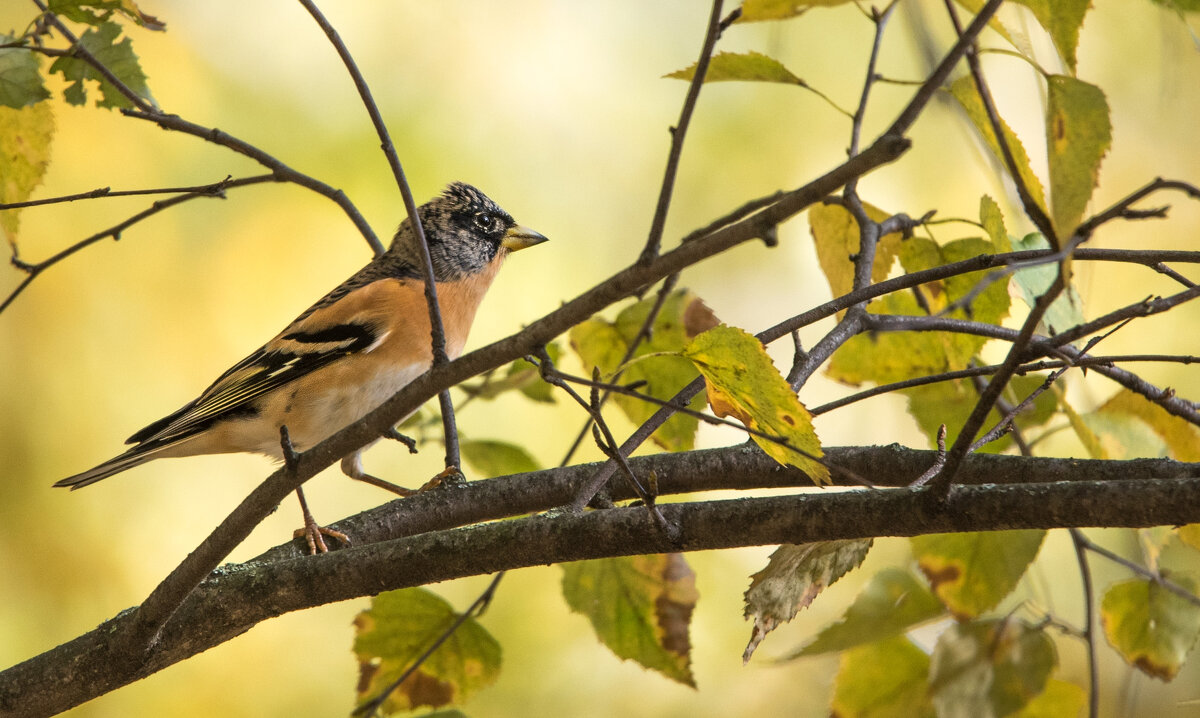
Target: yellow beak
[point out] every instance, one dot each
(521, 237)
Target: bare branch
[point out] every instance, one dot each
(238, 597)
(679, 132)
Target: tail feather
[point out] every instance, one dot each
(131, 458)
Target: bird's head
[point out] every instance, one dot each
(466, 231)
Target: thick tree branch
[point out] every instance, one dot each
(415, 549)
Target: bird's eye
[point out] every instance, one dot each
(484, 221)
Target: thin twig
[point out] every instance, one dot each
(211, 189)
(643, 334)
(33, 270)
(438, 338)
(1035, 212)
(678, 133)
(1140, 570)
(1089, 612)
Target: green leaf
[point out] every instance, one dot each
(1078, 135)
(603, 345)
(795, 575)
(640, 606)
(25, 137)
(520, 376)
(836, 237)
(744, 383)
(1152, 628)
(747, 66)
(963, 90)
(118, 57)
(886, 679)
(972, 572)
(989, 668)
(20, 77)
(497, 458)
(399, 627)
(1060, 700)
(891, 603)
(993, 223)
(1062, 19)
(1067, 310)
(887, 357)
(96, 12)
(1181, 437)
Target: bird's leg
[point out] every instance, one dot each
(352, 467)
(312, 532)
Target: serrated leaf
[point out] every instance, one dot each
(891, 603)
(885, 679)
(792, 578)
(492, 458)
(993, 223)
(25, 138)
(21, 82)
(1078, 135)
(837, 239)
(744, 383)
(1067, 310)
(759, 10)
(96, 12)
(963, 90)
(989, 668)
(972, 572)
(1060, 699)
(1181, 436)
(399, 627)
(744, 66)
(118, 57)
(640, 606)
(1152, 628)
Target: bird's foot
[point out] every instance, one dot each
(314, 534)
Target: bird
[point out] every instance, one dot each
(347, 353)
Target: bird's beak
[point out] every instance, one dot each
(521, 237)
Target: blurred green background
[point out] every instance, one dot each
(559, 112)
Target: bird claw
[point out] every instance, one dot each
(314, 536)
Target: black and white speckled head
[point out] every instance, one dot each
(465, 231)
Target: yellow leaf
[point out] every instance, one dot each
(836, 236)
(25, 136)
(744, 383)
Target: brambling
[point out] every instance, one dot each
(349, 352)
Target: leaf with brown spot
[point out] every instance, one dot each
(795, 575)
(1151, 627)
(972, 572)
(640, 607)
(399, 627)
(744, 383)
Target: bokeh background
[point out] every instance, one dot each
(558, 110)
